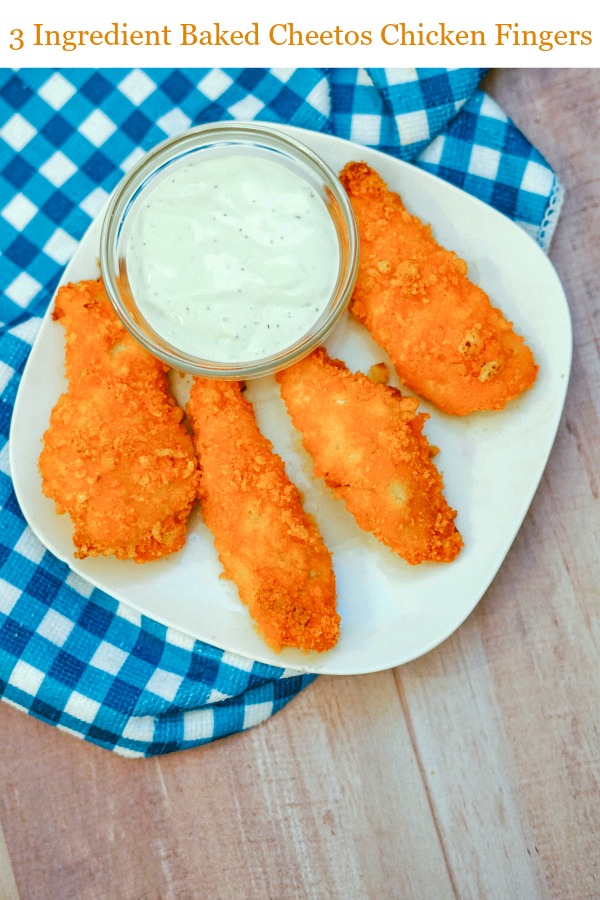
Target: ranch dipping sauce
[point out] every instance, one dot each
(232, 258)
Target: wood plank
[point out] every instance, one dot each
(468, 767)
(540, 627)
(316, 802)
(323, 802)
(8, 885)
(549, 684)
(80, 821)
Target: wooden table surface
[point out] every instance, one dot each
(472, 772)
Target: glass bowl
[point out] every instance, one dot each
(214, 140)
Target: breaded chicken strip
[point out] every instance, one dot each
(116, 456)
(266, 542)
(448, 343)
(366, 442)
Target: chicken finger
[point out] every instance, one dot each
(116, 456)
(266, 542)
(366, 442)
(446, 340)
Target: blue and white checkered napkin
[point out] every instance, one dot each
(70, 654)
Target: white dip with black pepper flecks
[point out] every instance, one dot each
(232, 258)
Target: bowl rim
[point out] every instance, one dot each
(167, 152)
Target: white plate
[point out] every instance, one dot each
(491, 462)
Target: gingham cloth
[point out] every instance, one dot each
(70, 654)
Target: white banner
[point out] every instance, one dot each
(67, 33)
